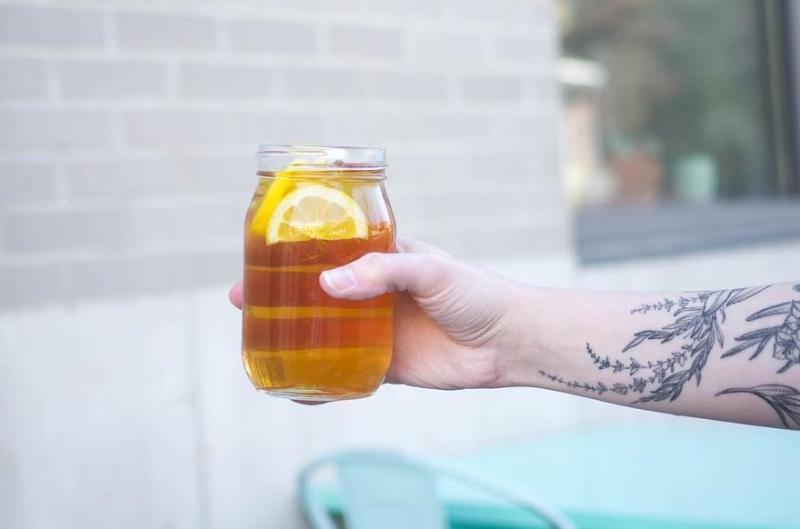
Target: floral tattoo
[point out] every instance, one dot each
(696, 329)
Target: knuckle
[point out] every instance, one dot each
(371, 266)
(438, 262)
(373, 260)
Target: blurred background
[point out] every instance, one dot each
(603, 144)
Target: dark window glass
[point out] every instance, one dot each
(670, 103)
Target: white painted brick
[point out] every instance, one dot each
(442, 171)
(448, 49)
(34, 283)
(22, 78)
(129, 275)
(410, 86)
(508, 171)
(151, 274)
(314, 7)
(178, 128)
(499, 12)
(220, 267)
(500, 205)
(522, 168)
(133, 179)
(271, 37)
(542, 90)
(222, 175)
(254, 128)
(380, 128)
(27, 182)
(512, 242)
(366, 41)
(54, 129)
(326, 84)
(428, 10)
(122, 179)
(165, 31)
(492, 87)
(50, 26)
(533, 51)
(50, 231)
(539, 131)
(227, 81)
(101, 79)
(27, 284)
(194, 224)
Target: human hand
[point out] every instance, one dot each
(452, 321)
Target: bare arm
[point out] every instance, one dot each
(731, 355)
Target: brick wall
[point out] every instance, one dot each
(127, 129)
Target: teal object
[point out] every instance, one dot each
(702, 476)
(384, 490)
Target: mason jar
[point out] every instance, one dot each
(313, 209)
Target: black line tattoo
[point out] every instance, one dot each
(695, 331)
(785, 336)
(665, 304)
(785, 400)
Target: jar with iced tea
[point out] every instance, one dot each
(315, 208)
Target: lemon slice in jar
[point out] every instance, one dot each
(316, 211)
(280, 186)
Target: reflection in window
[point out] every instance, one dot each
(673, 101)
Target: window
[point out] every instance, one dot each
(679, 124)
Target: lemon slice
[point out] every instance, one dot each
(316, 211)
(282, 183)
(276, 191)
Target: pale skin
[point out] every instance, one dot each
(458, 326)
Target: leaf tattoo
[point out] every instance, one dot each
(695, 331)
(785, 337)
(698, 326)
(785, 400)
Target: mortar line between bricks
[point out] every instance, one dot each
(18, 258)
(451, 22)
(486, 144)
(505, 147)
(301, 107)
(323, 61)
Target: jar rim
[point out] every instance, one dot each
(320, 157)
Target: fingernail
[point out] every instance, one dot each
(339, 278)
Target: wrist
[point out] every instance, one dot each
(520, 357)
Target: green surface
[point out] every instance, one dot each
(709, 474)
(482, 517)
(700, 476)
(469, 516)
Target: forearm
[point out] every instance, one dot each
(732, 355)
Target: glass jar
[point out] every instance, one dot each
(315, 208)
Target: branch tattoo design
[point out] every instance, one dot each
(696, 329)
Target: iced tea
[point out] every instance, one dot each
(297, 341)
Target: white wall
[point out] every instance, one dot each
(129, 128)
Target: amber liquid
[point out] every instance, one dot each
(297, 341)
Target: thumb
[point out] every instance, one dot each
(421, 275)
